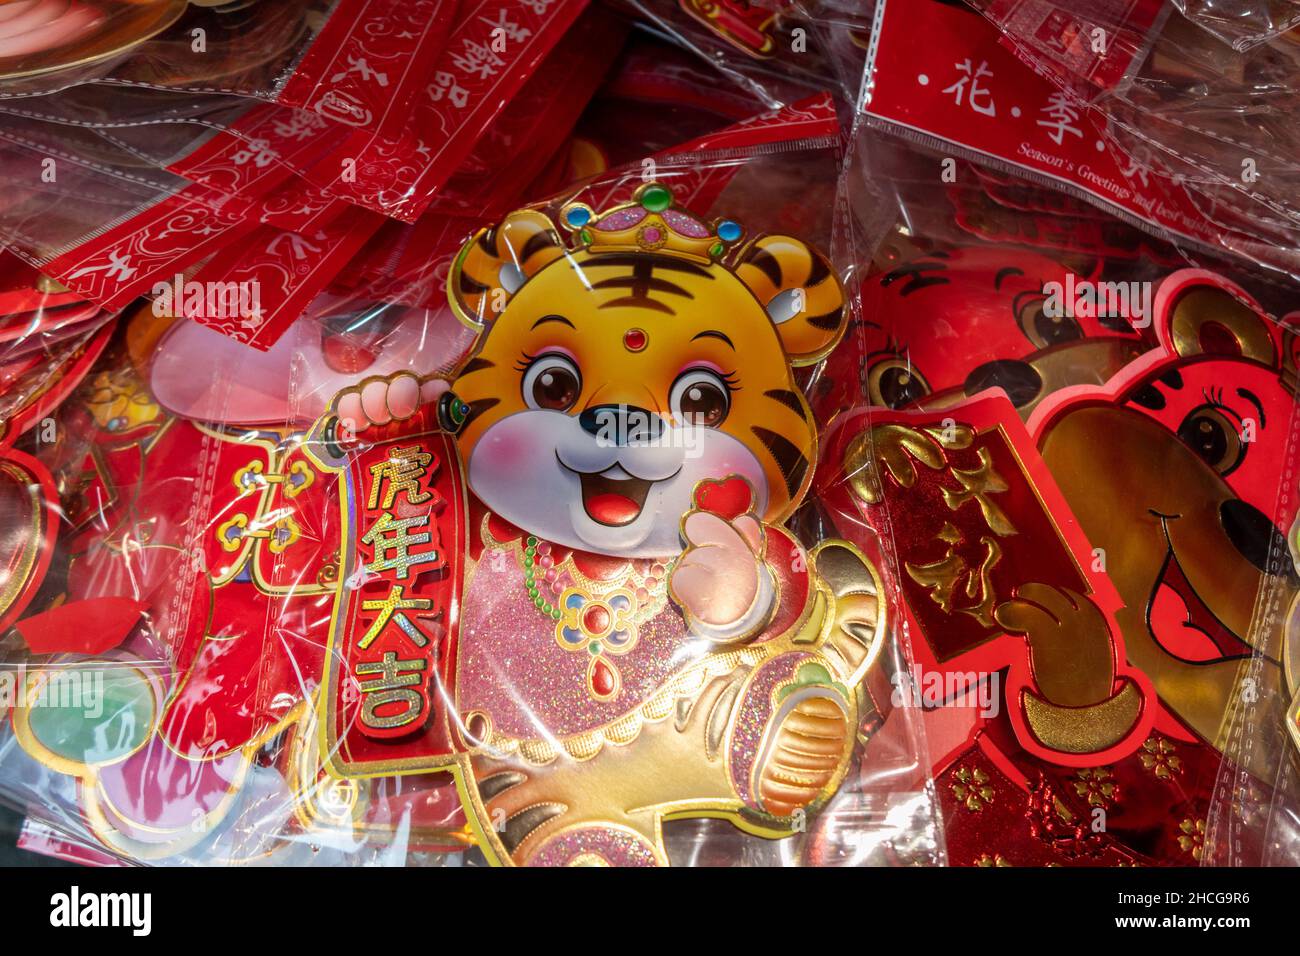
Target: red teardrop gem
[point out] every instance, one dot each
(602, 678)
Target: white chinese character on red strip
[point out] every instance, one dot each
(477, 59)
(968, 87)
(296, 124)
(118, 267)
(510, 30)
(1062, 117)
(359, 66)
(446, 83)
(257, 151)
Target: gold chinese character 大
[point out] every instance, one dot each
(393, 608)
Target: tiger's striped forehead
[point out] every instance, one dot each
(668, 295)
(658, 283)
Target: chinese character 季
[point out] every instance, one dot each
(1061, 118)
(968, 88)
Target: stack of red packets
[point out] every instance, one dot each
(553, 433)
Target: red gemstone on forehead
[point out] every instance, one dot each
(634, 340)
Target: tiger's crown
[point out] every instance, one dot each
(649, 223)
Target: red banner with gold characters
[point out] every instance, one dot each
(390, 670)
(993, 570)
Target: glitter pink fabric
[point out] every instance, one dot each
(615, 847)
(623, 219)
(512, 668)
(686, 225)
(754, 715)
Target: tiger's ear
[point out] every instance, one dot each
(495, 263)
(800, 291)
(1201, 313)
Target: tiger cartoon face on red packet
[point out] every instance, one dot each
(1161, 566)
(1175, 470)
(946, 324)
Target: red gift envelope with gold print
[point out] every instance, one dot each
(993, 570)
(406, 525)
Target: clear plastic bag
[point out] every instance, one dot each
(1077, 460)
(359, 62)
(298, 608)
(1178, 101)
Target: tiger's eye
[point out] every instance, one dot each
(1055, 329)
(704, 403)
(896, 383)
(555, 387)
(1214, 439)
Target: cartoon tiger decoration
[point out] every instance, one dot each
(640, 639)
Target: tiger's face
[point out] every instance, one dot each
(611, 383)
(1173, 470)
(948, 324)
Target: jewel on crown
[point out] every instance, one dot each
(649, 223)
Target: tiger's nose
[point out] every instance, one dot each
(1020, 380)
(621, 424)
(1255, 537)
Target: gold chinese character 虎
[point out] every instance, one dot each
(402, 472)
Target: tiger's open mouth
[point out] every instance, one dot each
(1183, 625)
(613, 497)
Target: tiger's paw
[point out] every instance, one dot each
(805, 752)
(383, 401)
